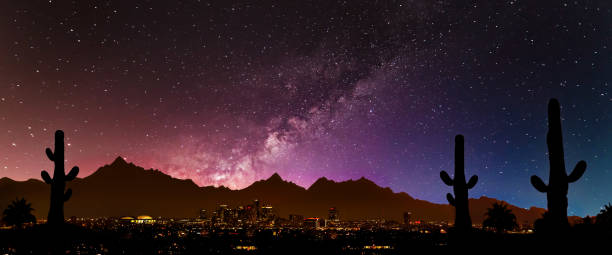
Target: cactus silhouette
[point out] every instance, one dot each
(556, 190)
(58, 183)
(463, 221)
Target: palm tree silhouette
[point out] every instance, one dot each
(500, 218)
(604, 218)
(18, 213)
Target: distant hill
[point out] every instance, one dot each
(123, 188)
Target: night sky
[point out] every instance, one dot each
(227, 92)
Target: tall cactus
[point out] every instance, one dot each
(556, 190)
(460, 188)
(58, 183)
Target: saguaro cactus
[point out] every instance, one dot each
(556, 190)
(460, 188)
(58, 183)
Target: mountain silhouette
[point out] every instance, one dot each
(122, 188)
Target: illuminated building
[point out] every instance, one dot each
(245, 247)
(222, 213)
(249, 214)
(144, 219)
(256, 203)
(267, 213)
(296, 220)
(407, 216)
(333, 214)
(203, 214)
(312, 223)
(333, 218)
(126, 219)
(377, 247)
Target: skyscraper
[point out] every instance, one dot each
(407, 216)
(333, 214)
(203, 214)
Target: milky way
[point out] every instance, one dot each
(227, 93)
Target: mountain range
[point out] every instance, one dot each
(122, 189)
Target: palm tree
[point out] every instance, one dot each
(500, 218)
(587, 220)
(18, 213)
(604, 218)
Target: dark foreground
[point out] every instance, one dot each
(41, 239)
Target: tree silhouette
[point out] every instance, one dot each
(543, 224)
(18, 213)
(463, 222)
(587, 220)
(604, 217)
(500, 218)
(556, 190)
(58, 183)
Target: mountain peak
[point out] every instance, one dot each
(273, 184)
(119, 161)
(321, 182)
(118, 167)
(275, 177)
(6, 180)
(364, 180)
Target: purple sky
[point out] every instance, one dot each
(227, 93)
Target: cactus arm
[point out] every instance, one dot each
(577, 172)
(446, 178)
(539, 184)
(67, 195)
(450, 198)
(472, 182)
(50, 154)
(46, 177)
(72, 174)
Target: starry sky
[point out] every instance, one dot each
(229, 92)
